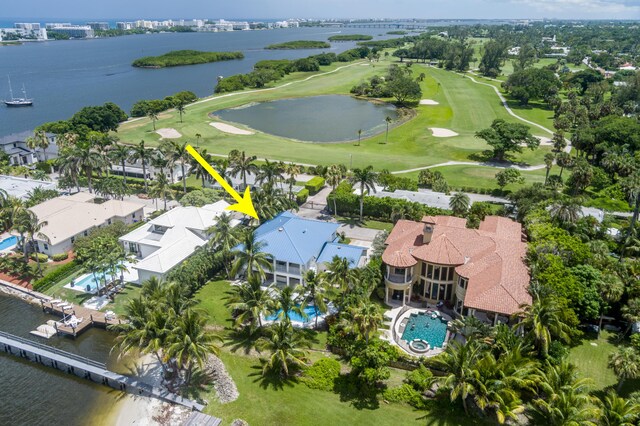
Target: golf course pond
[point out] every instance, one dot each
(328, 118)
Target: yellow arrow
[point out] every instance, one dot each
(245, 205)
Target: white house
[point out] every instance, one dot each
(72, 216)
(166, 241)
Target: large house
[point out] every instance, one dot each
(296, 245)
(477, 272)
(164, 242)
(72, 216)
(134, 169)
(15, 146)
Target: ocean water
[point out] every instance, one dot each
(64, 76)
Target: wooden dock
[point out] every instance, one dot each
(87, 369)
(89, 317)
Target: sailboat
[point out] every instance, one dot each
(18, 102)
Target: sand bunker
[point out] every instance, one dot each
(442, 133)
(429, 102)
(228, 128)
(169, 133)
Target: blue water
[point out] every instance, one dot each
(91, 282)
(8, 242)
(426, 328)
(294, 316)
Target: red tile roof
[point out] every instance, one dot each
(491, 257)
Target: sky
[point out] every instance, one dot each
(266, 9)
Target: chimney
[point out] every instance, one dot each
(428, 232)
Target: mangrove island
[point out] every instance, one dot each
(185, 57)
(350, 37)
(299, 44)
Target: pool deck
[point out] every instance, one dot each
(398, 320)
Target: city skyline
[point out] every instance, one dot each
(328, 9)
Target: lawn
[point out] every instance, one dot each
(367, 223)
(480, 177)
(591, 357)
(465, 107)
(293, 403)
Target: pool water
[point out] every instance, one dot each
(294, 316)
(422, 326)
(8, 242)
(90, 281)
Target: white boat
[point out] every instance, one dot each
(18, 102)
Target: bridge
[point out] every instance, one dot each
(389, 25)
(87, 369)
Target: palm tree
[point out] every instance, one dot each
(31, 227)
(120, 154)
(548, 163)
(285, 302)
(181, 109)
(459, 203)
(626, 364)
(192, 341)
(39, 140)
(387, 120)
(334, 177)
(563, 160)
(160, 188)
(566, 210)
(367, 179)
(197, 169)
(568, 407)
(140, 152)
(270, 201)
(89, 161)
(153, 116)
(631, 187)
(251, 258)
(338, 275)
(292, 170)
(366, 318)
(283, 342)
(359, 136)
(543, 320)
(317, 291)
(269, 172)
(177, 152)
(68, 165)
(249, 301)
(618, 411)
(198, 136)
(242, 165)
(458, 362)
(225, 237)
(611, 290)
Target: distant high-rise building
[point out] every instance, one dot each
(102, 26)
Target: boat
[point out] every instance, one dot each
(18, 102)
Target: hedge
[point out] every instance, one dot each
(314, 185)
(301, 196)
(322, 374)
(40, 256)
(379, 208)
(49, 280)
(60, 256)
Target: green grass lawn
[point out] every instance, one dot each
(465, 107)
(591, 357)
(367, 223)
(293, 403)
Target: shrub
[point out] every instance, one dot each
(60, 256)
(301, 197)
(314, 185)
(420, 379)
(50, 279)
(45, 166)
(40, 256)
(404, 393)
(322, 374)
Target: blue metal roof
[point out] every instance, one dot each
(289, 238)
(349, 252)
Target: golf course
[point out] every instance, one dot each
(454, 106)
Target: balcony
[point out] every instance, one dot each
(399, 278)
(281, 268)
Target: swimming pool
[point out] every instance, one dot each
(311, 312)
(88, 283)
(424, 327)
(8, 242)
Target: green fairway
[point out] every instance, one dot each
(464, 107)
(293, 403)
